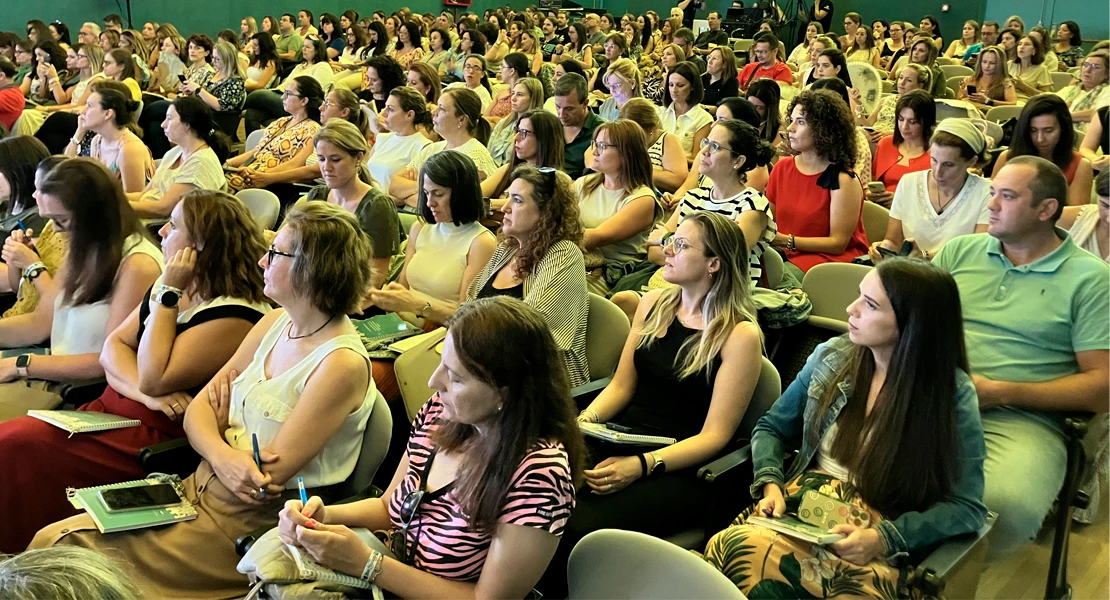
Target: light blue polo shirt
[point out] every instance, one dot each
(1026, 323)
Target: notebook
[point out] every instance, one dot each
(380, 330)
(310, 570)
(15, 352)
(797, 529)
(79, 421)
(88, 499)
(601, 432)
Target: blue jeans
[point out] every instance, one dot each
(1024, 471)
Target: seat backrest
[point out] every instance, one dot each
(263, 205)
(832, 286)
(875, 220)
(767, 390)
(951, 71)
(1061, 80)
(999, 114)
(616, 564)
(772, 268)
(606, 331)
(375, 443)
(955, 82)
(252, 139)
(742, 45)
(414, 368)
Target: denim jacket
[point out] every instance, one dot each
(791, 423)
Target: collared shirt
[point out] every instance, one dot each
(574, 162)
(288, 42)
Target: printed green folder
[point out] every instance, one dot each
(89, 500)
(79, 421)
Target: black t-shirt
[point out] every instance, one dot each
(727, 87)
(1103, 142)
(826, 21)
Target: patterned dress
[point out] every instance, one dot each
(280, 142)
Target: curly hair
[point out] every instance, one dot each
(830, 122)
(229, 243)
(553, 193)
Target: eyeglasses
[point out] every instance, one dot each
(677, 245)
(523, 133)
(1091, 65)
(399, 543)
(603, 146)
(473, 67)
(273, 251)
(714, 147)
(287, 93)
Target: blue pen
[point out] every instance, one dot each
(304, 495)
(23, 228)
(258, 463)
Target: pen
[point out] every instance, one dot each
(23, 228)
(304, 495)
(258, 463)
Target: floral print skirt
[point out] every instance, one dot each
(767, 564)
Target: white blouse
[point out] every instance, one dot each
(920, 221)
(437, 266)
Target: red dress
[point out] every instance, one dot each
(802, 207)
(38, 463)
(885, 167)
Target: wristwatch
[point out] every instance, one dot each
(21, 364)
(34, 271)
(168, 296)
(658, 467)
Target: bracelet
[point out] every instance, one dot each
(591, 414)
(75, 141)
(373, 567)
(643, 465)
(790, 245)
(32, 267)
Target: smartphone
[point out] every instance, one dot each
(826, 512)
(137, 498)
(876, 187)
(181, 78)
(971, 90)
(885, 253)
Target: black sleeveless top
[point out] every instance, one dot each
(488, 291)
(662, 402)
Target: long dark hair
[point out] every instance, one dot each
(924, 110)
(836, 57)
(19, 157)
(770, 94)
(101, 223)
(57, 58)
(415, 37)
(379, 47)
(310, 90)
(455, 170)
(905, 455)
(197, 115)
(536, 405)
(1044, 104)
(267, 51)
(550, 145)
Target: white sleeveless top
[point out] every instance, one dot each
(437, 267)
(80, 329)
(261, 406)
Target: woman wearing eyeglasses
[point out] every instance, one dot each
(1090, 91)
(483, 493)
(538, 141)
(263, 107)
(687, 371)
(525, 94)
(300, 382)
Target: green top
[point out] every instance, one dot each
(288, 42)
(377, 215)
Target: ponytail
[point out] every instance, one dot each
(219, 143)
(469, 105)
(197, 115)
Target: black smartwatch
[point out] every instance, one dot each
(168, 297)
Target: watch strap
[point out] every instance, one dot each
(25, 361)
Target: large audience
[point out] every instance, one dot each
(498, 175)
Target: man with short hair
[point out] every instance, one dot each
(113, 21)
(714, 37)
(562, 25)
(1035, 311)
(579, 122)
(684, 38)
(989, 34)
(11, 97)
(594, 36)
(766, 64)
(89, 34)
(289, 44)
(446, 22)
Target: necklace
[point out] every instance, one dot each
(290, 336)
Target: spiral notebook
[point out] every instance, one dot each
(88, 499)
(80, 421)
(596, 430)
(310, 570)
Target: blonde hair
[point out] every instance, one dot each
(727, 303)
(628, 71)
(642, 112)
(95, 54)
(229, 60)
(346, 136)
(64, 572)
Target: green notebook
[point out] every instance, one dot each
(80, 421)
(383, 329)
(89, 500)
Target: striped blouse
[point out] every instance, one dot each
(540, 495)
(700, 199)
(557, 289)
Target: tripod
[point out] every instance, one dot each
(797, 20)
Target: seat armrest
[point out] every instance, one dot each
(835, 325)
(175, 457)
(78, 393)
(726, 463)
(933, 573)
(588, 388)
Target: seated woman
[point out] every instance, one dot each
(19, 158)
(766, 96)
(380, 77)
(405, 110)
(447, 247)
(697, 341)
(525, 95)
(24, 162)
(475, 80)
(884, 121)
(625, 82)
(720, 78)
(192, 164)
(817, 199)
(109, 114)
(1091, 91)
(353, 58)
(199, 68)
(439, 45)
(514, 68)
(172, 63)
(538, 142)
(922, 52)
(1028, 71)
(188, 326)
(684, 115)
(109, 266)
(424, 79)
(576, 46)
(539, 261)
(990, 85)
(614, 48)
(862, 165)
(906, 447)
(299, 382)
(1044, 129)
(470, 42)
(863, 48)
(668, 160)
(341, 150)
(487, 516)
(1089, 225)
(265, 63)
(459, 122)
(933, 206)
(617, 205)
(906, 151)
(89, 67)
(37, 83)
(1095, 146)
(286, 140)
(263, 107)
(409, 47)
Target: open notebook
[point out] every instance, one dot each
(599, 431)
(310, 570)
(794, 528)
(80, 421)
(89, 500)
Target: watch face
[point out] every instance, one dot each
(169, 299)
(22, 361)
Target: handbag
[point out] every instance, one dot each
(274, 573)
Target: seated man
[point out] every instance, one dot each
(765, 63)
(1035, 311)
(579, 122)
(684, 38)
(714, 36)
